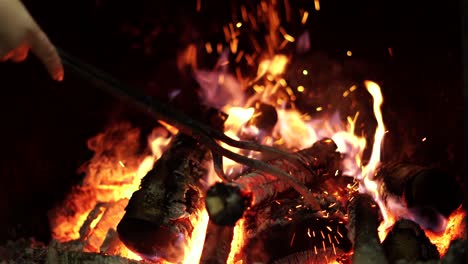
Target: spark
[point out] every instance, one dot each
(315, 249)
(239, 56)
(349, 53)
(292, 239)
(329, 239)
(313, 233)
(244, 13)
(323, 244)
(238, 24)
(300, 88)
(338, 232)
(337, 241)
(304, 17)
(317, 5)
(208, 47)
(308, 232)
(329, 228)
(318, 109)
(219, 47)
(390, 52)
(305, 72)
(424, 139)
(334, 250)
(323, 236)
(121, 164)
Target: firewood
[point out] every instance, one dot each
(406, 240)
(427, 193)
(24, 251)
(159, 217)
(286, 229)
(227, 202)
(362, 227)
(217, 244)
(456, 254)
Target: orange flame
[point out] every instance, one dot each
(455, 230)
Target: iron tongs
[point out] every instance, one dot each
(199, 131)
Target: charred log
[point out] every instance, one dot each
(456, 254)
(159, 218)
(217, 244)
(24, 251)
(407, 241)
(428, 194)
(363, 224)
(286, 230)
(227, 202)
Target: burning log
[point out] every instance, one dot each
(363, 224)
(23, 251)
(217, 244)
(408, 241)
(429, 194)
(286, 229)
(227, 202)
(160, 217)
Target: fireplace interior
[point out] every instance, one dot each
(61, 137)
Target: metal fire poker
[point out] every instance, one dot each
(200, 132)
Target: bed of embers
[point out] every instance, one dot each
(167, 202)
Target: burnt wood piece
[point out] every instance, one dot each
(456, 254)
(24, 251)
(217, 244)
(287, 229)
(227, 202)
(428, 193)
(363, 223)
(406, 240)
(159, 217)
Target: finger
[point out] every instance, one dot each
(20, 54)
(46, 52)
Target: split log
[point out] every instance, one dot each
(407, 241)
(160, 216)
(429, 194)
(363, 224)
(217, 244)
(227, 202)
(288, 231)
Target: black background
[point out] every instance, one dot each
(45, 125)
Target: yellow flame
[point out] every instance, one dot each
(237, 241)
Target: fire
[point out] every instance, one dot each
(91, 211)
(455, 230)
(237, 242)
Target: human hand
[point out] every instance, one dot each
(19, 33)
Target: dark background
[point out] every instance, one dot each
(45, 125)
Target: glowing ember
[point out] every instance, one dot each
(455, 230)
